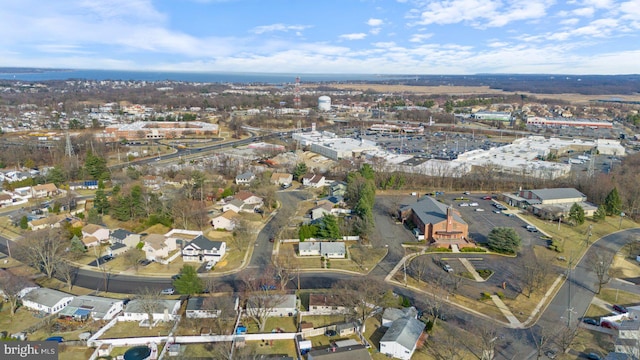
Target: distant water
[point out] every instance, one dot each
(222, 77)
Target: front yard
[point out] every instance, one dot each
(127, 329)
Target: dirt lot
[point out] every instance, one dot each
(470, 90)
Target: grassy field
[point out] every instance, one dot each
(587, 341)
(370, 256)
(595, 311)
(286, 323)
(75, 352)
(126, 329)
(22, 320)
(324, 320)
(613, 296)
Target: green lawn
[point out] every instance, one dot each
(323, 320)
(22, 320)
(619, 297)
(285, 323)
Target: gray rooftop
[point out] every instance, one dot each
(330, 247)
(393, 314)
(203, 243)
(430, 210)
(135, 306)
(355, 352)
(405, 332)
(629, 325)
(45, 296)
(97, 305)
(284, 301)
(619, 356)
(558, 193)
(120, 234)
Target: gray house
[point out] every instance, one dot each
(401, 338)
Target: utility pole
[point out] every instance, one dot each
(569, 308)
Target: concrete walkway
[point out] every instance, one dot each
(543, 302)
(455, 249)
(513, 321)
(601, 303)
(472, 270)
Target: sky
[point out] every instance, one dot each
(325, 37)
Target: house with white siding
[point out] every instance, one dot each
(46, 300)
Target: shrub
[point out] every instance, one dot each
(429, 326)
(485, 296)
(485, 273)
(473, 249)
(555, 245)
(438, 249)
(500, 294)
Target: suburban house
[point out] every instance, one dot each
(354, 352)
(320, 211)
(117, 249)
(245, 178)
(278, 305)
(90, 241)
(157, 246)
(328, 249)
(46, 300)
(392, 314)
(121, 236)
(44, 190)
(87, 184)
(281, 178)
(313, 180)
(338, 188)
(243, 201)
(400, 340)
(92, 307)
(440, 224)
(210, 306)
(226, 220)
(52, 221)
(97, 231)
(202, 250)
(325, 304)
(5, 199)
(628, 338)
(165, 310)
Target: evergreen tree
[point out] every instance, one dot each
(96, 166)
(24, 223)
(576, 213)
(188, 282)
(100, 202)
(56, 176)
(504, 240)
(300, 171)
(330, 228)
(600, 213)
(613, 203)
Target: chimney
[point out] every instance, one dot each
(449, 219)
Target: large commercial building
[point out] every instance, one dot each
(329, 145)
(162, 130)
(492, 116)
(560, 122)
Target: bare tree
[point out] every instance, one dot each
(223, 322)
(43, 249)
(261, 296)
(133, 257)
(12, 286)
(600, 262)
(564, 337)
(149, 300)
(418, 267)
(445, 345)
(484, 341)
(285, 267)
(242, 235)
(533, 273)
(364, 296)
(542, 339)
(67, 271)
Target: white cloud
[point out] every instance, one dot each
(375, 22)
(584, 12)
(418, 38)
(278, 27)
(354, 36)
(570, 21)
(375, 31)
(482, 13)
(497, 44)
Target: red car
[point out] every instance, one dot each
(486, 197)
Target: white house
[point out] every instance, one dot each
(234, 205)
(325, 304)
(165, 310)
(157, 247)
(211, 307)
(52, 221)
(313, 180)
(46, 300)
(401, 338)
(226, 221)
(5, 199)
(278, 304)
(97, 231)
(328, 249)
(44, 190)
(392, 314)
(245, 178)
(94, 307)
(281, 178)
(202, 250)
(90, 241)
(248, 198)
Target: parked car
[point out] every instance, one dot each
(271, 239)
(330, 333)
(551, 354)
(209, 265)
(590, 321)
(145, 262)
(107, 258)
(510, 214)
(486, 197)
(168, 291)
(473, 204)
(621, 309)
(464, 204)
(593, 356)
(447, 268)
(497, 211)
(467, 193)
(176, 276)
(479, 209)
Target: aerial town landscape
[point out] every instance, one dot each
(317, 221)
(336, 180)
